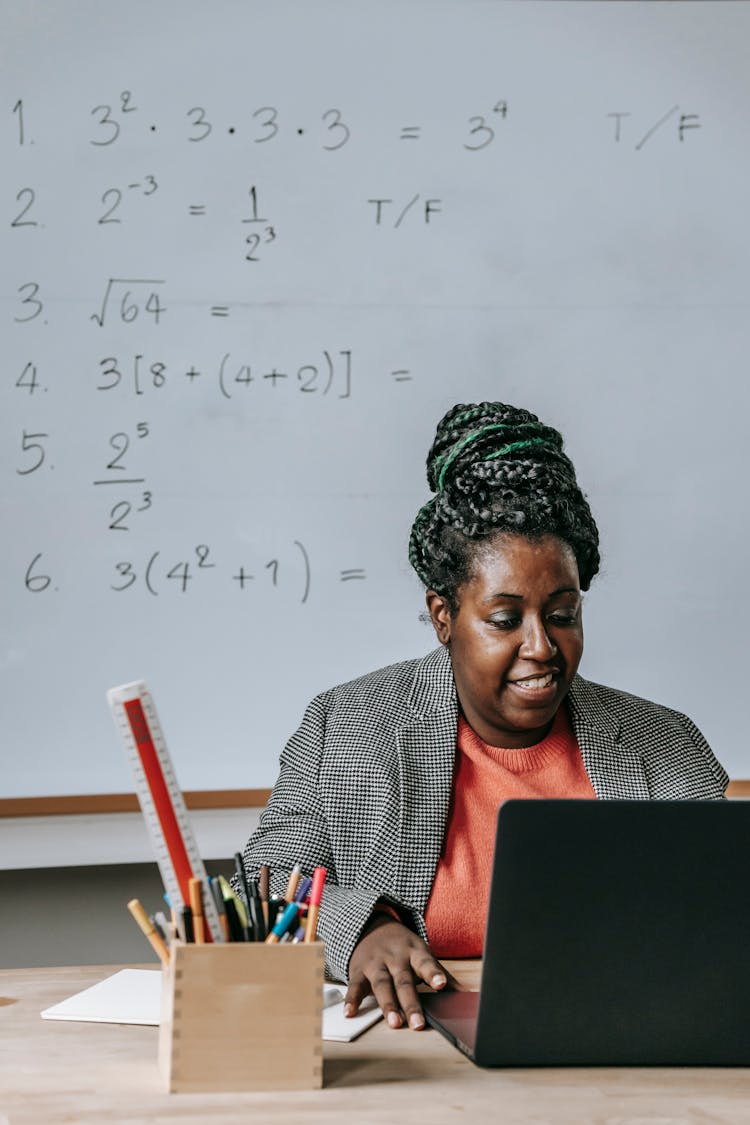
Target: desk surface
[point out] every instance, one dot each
(54, 1072)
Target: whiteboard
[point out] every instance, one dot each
(252, 252)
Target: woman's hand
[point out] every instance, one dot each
(387, 961)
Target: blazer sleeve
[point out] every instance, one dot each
(293, 829)
(715, 768)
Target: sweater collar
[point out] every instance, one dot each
(613, 767)
(433, 689)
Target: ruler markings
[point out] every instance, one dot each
(161, 799)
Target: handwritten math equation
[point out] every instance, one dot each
(118, 473)
(161, 361)
(287, 572)
(112, 123)
(128, 497)
(231, 375)
(122, 118)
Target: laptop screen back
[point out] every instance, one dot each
(618, 934)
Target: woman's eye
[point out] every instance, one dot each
(563, 618)
(504, 622)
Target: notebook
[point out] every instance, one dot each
(134, 996)
(618, 934)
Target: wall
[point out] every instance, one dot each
(251, 253)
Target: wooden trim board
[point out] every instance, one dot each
(194, 799)
(128, 802)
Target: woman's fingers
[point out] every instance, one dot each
(388, 961)
(359, 987)
(385, 995)
(424, 967)
(427, 968)
(380, 984)
(408, 999)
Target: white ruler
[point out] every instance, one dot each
(161, 799)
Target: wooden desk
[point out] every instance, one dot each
(54, 1072)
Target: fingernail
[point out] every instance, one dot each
(416, 1021)
(394, 1019)
(348, 1009)
(438, 980)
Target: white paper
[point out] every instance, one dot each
(336, 1026)
(134, 996)
(130, 996)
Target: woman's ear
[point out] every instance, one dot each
(440, 616)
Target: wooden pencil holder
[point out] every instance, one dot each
(242, 1017)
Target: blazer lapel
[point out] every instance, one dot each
(426, 747)
(426, 753)
(615, 771)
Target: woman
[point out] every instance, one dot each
(393, 780)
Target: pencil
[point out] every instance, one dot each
(291, 887)
(149, 930)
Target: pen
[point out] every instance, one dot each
(149, 930)
(187, 923)
(172, 912)
(237, 911)
(276, 906)
(244, 890)
(316, 894)
(215, 888)
(179, 926)
(161, 923)
(256, 912)
(303, 889)
(285, 923)
(236, 929)
(195, 890)
(291, 887)
(264, 888)
(160, 930)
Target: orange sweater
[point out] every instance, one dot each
(486, 775)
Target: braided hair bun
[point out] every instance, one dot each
(494, 469)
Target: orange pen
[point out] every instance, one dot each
(195, 888)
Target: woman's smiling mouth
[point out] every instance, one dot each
(534, 683)
(537, 689)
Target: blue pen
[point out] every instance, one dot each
(285, 922)
(303, 889)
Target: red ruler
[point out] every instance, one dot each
(161, 799)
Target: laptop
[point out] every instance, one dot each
(618, 934)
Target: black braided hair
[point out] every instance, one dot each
(494, 469)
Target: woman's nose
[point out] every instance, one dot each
(537, 644)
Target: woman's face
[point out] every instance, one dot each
(516, 639)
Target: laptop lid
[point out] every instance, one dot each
(618, 933)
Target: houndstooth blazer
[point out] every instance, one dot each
(365, 784)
